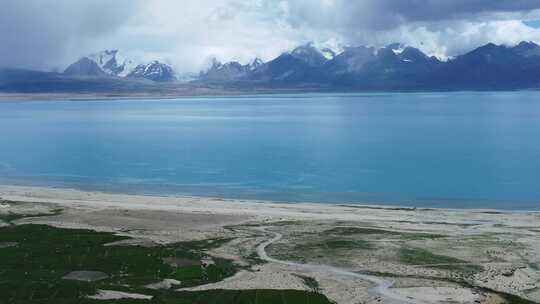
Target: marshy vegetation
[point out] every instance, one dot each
(425, 258)
(34, 268)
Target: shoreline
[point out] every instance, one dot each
(215, 93)
(19, 191)
(423, 251)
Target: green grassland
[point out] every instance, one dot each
(419, 256)
(10, 217)
(33, 270)
(225, 297)
(306, 250)
(355, 231)
(338, 240)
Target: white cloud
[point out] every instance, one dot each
(456, 37)
(186, 33)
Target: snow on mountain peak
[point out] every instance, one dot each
(310, 54)
(255, 64)
(113, 62)
(397, 48)
(155, 71)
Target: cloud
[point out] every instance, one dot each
(45, 34)
(453, 38)
(388, 14)
(186, 34)
(39, 33)
(440, 27)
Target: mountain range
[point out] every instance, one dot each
(111, 63)
(395, 67)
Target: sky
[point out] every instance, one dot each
(50, 34)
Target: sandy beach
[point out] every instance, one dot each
(357, 253)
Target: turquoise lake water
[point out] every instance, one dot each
(464, 149)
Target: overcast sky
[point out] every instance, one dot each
(49, 34)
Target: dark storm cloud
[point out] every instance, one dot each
(387, 14)
(434, 10)
(38, 33)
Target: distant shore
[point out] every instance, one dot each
(315, 210)
(204, 92)
(21, 97)
(184, 91)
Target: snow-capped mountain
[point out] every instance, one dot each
(328, 53)
(229, 71)
(299, 62)
(394, 67)
(154, 71)
(389, 60)
(255, 64)
(309, 54)
(527, 49)
(114, 63)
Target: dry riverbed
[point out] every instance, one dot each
(350, 253)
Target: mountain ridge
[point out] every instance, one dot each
(395, 67)
(112, 63)
(399, 67)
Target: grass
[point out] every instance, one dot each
(227, 297)
(411, 236)
(338, 244)
(358, 230)
(32, 271)
(286, 253)
(337, 240)
(302, 252)
(350, 231)
(419, 256)
(11, 217)
(44, 254)
(310, 282)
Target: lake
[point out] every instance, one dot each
(463, 150)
